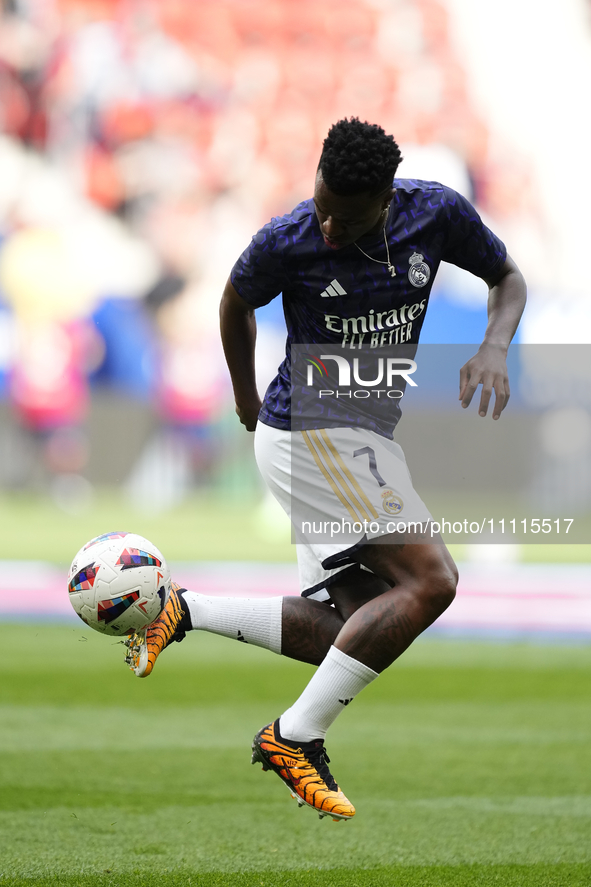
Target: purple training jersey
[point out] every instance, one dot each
(342, 298)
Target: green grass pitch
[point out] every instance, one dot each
(31, 526)
(469, 764)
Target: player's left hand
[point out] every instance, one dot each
(487, 368)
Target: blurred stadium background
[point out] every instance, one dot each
(144, 141)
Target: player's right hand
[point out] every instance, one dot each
(249, 414)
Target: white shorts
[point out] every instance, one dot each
(341, 488)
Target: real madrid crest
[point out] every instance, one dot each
(391, 503)
(419, 272)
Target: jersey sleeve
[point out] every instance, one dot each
(469, 243)
(258, 275)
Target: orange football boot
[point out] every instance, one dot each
(303, 767)
(145, 646)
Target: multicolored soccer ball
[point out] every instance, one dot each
(118, 583)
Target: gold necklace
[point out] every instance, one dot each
(391, 267)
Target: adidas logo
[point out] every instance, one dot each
(333, 289)
(346, 701)
(241, 637)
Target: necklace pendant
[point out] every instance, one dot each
(392, 270)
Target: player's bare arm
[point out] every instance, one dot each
(238, 330)
(506, 301)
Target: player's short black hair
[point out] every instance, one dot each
(358, 157)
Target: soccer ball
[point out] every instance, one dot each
(118, 583)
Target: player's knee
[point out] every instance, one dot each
(436, 581)
(439, 585)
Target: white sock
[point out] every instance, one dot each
(250, 620)
(336, 682)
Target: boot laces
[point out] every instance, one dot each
(318, 757)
